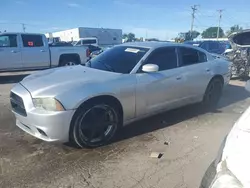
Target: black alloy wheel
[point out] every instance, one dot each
(95, 125)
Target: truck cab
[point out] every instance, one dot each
(26, 51)
(21, 51)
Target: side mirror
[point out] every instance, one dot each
(247, 87)
(150, 68)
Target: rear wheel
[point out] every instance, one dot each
(94, 124)
(68, 63)
(213, 93)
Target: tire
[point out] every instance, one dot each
(209, 176)
(85, 122)
(213, 93)
(68, 63)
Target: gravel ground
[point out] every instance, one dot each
(187, 138)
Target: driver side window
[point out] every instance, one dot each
(165, 58)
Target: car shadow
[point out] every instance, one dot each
(10, 79)
(231, 95)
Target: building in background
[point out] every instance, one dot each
(104, 36)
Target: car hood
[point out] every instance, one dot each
(52, 81)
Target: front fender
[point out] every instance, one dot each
(122, 89)
(74, 97)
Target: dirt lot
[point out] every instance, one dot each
(193, 139)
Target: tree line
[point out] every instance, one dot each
(210, 32)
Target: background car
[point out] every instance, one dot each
(88, 104)
(194, 43)
(216, 47)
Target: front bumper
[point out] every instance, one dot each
(48, 126)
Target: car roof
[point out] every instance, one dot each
(155, 44)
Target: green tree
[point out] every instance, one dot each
(194, 34)
(186, 36)
(233, 29)
(211, 32)
(129, 37)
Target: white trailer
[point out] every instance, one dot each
(105, 36)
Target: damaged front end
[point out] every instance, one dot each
(239, 55)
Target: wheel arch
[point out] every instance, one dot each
(100, 98)
(70, 56)
(111, 99)
(217, 76)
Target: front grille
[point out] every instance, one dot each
(17, 104)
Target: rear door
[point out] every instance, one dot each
(35, 51)
(197, 72)
(10, 53)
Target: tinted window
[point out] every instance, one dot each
(8, 41)
(189, 56)
(213, 46)
(89, 41)
(203, 46)
(32, 40)
(165, 58)
(202, 57)
(120, 59)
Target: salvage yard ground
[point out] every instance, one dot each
(187, 138)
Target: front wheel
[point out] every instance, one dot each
(213, 93)
(94, 125)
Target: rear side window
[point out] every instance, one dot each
(189, 56)
(202, 57)
(165, 58)
(32, 40)
(8, 40)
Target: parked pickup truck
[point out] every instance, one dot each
(26, 51)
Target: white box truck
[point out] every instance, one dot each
(104, 36)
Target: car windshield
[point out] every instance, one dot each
(119, 59)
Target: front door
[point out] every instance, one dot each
(10, 53)
(35, 52)
(159, 90)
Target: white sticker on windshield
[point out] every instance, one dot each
(133, 50)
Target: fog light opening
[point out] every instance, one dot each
(42, 132)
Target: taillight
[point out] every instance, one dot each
(87, 52)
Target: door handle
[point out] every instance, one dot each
(42, 50)
(208, 70)
(178, 78)
(14, 51)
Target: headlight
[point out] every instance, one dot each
(49, 104)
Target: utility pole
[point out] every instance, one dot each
(220, 16)
(194, 9)
(24, 28)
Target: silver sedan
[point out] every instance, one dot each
(88, 104)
